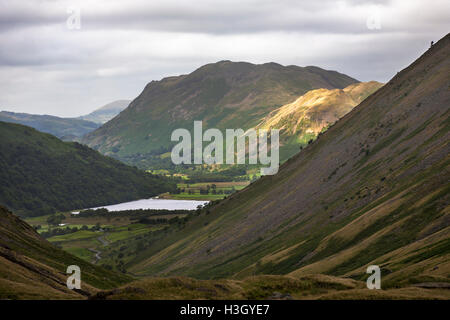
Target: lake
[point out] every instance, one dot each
(154, 203)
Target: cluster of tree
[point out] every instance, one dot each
(210, 176)
(231, 174)
(138, 213)
(209, 189)
(55, 219)
(153, 221)
(150, 160)
(196, 173)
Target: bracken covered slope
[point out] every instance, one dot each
(373, 189)
(223, 95)
(313, 112)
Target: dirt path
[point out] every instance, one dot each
(98, 253)
(103, 240)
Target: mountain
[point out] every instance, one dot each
(107, 112)
(67, 129)
(64, 128)
(32, 268)
(312, 113)
(224, 95)
(41, 174)
(373, 189)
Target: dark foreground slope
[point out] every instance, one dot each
(276, 287)
(40, 174)
(32, 268)
(373, 189)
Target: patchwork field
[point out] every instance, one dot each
(94, 234)
(205, 190)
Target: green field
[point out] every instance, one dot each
(82, 253)
(80, 235)
(206, 190)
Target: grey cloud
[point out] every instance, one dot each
(122, 45)
(216, 17)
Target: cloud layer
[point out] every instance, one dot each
(46, 67)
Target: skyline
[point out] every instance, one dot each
(48, 68)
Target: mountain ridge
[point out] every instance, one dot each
(373, 185)
(106, 112)
(69, 129)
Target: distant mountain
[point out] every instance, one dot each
(312, 113)
(372, 190)
(68, 129)
(224, 95)
(41, 174)
(32, 268)
(107, 112)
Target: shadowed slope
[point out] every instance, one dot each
(313, 112)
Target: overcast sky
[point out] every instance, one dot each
(50, 66)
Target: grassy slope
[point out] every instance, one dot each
(372, 189)
(223, 95)
(41, 174)
(32, 268)
(107, 112)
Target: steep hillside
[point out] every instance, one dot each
(32, 268)
(40, 174)
(373, 189)
(107, 112)
(63, 128)
(224, 95)
(313, 112)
